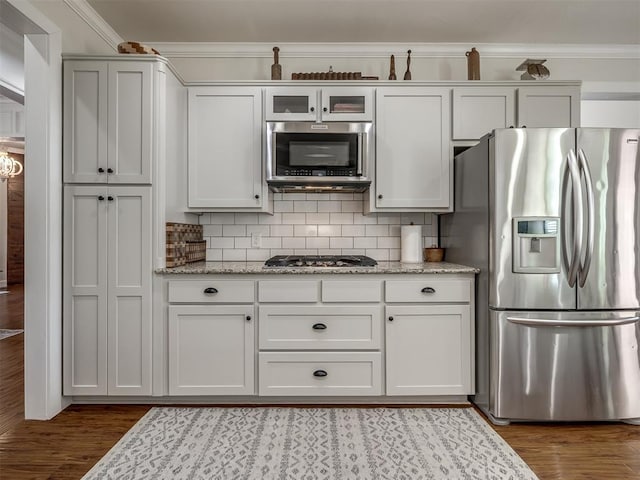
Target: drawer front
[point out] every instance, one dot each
(274, 291)
(351, 291)
(320, 373)
(348, 327)
(428, 291)
(204, 291)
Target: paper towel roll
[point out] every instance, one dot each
(411, 244)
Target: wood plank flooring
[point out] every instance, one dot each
(66, 447)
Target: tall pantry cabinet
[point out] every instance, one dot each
(111, 110)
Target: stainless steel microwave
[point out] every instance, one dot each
(308, 156)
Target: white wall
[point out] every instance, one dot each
(11, 60)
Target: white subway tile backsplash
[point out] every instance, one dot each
(294, 218)
(305, 230)
(305, 206)
(311, 224)
(234, 230)
(341, 218)
(318, 242)
(317, 218)
(281, 230)
(329, 230)
(294, 242)
(233, 255)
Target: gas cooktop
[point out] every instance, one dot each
(320, 261)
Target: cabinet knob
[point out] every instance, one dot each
(312, 109)
(109, 170)
(320, 373)
(100, 197)
(248, 318)
(319, 326)
(110, 198)
(256, 197)
(380, 196)
(210, 290)
(524, 126)
(391, 319)
(428, 290)
(324, 109)
(100, 170)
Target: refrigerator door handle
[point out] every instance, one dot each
(577, 217)
(545, 322)
(586, 171)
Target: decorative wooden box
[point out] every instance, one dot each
(184, 244)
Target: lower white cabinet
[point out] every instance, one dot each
(211, 350)
(107, 285)
(429, 350)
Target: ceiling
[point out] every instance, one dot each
(416, 21)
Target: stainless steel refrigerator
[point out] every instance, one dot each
(552, 219)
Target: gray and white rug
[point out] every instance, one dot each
(6, 333)
(269, 443)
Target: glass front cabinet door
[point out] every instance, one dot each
(331, 104)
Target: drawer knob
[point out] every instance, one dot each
(320, 373)
(210, 290)
(109, 170)
(319, 326)
(248, 318)
(391, 319)
(428, 290)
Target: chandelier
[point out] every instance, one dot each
(8, 166)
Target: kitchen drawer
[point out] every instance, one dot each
(351, 291)
(348, 327)
(305, 291)
(428, 290)
(212, 291)
(299, 373)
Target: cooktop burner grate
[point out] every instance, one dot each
(320, 261)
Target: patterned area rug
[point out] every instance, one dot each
(311, 444)
(6, 333)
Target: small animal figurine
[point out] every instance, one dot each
(276, 68)
(392, 70)
(407, 74)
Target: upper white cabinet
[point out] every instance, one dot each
(108, 121)
(413, 167)
(107, 285)
(11, 118)
(225, 149)
(478, 110)
(549, 106)
(330, 104)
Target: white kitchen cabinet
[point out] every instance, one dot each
(211, 350)
(11, 118)
(413, 170)
(108, 121)
(549, 106)
(478, 110)
(429, 349)
(225, 149)
(107, 285)
(330, 104)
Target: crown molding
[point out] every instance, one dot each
(95, 21)
(369, 50)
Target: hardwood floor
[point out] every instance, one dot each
(66, 447)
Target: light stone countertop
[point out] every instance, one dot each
(258, 267)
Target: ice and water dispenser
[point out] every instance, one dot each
(536, 245)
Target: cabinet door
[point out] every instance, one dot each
(130, 122)
(85, 291)
(478, 110)
(347, 104)
(292, 104)
(429, 350)
(413, 168)
(548, 107)
(85, 121)
(129, 290)
(225, 148)
(211, 350)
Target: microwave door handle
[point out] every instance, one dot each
(274, 160)
(359, 156)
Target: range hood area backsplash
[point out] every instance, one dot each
(311, 224)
